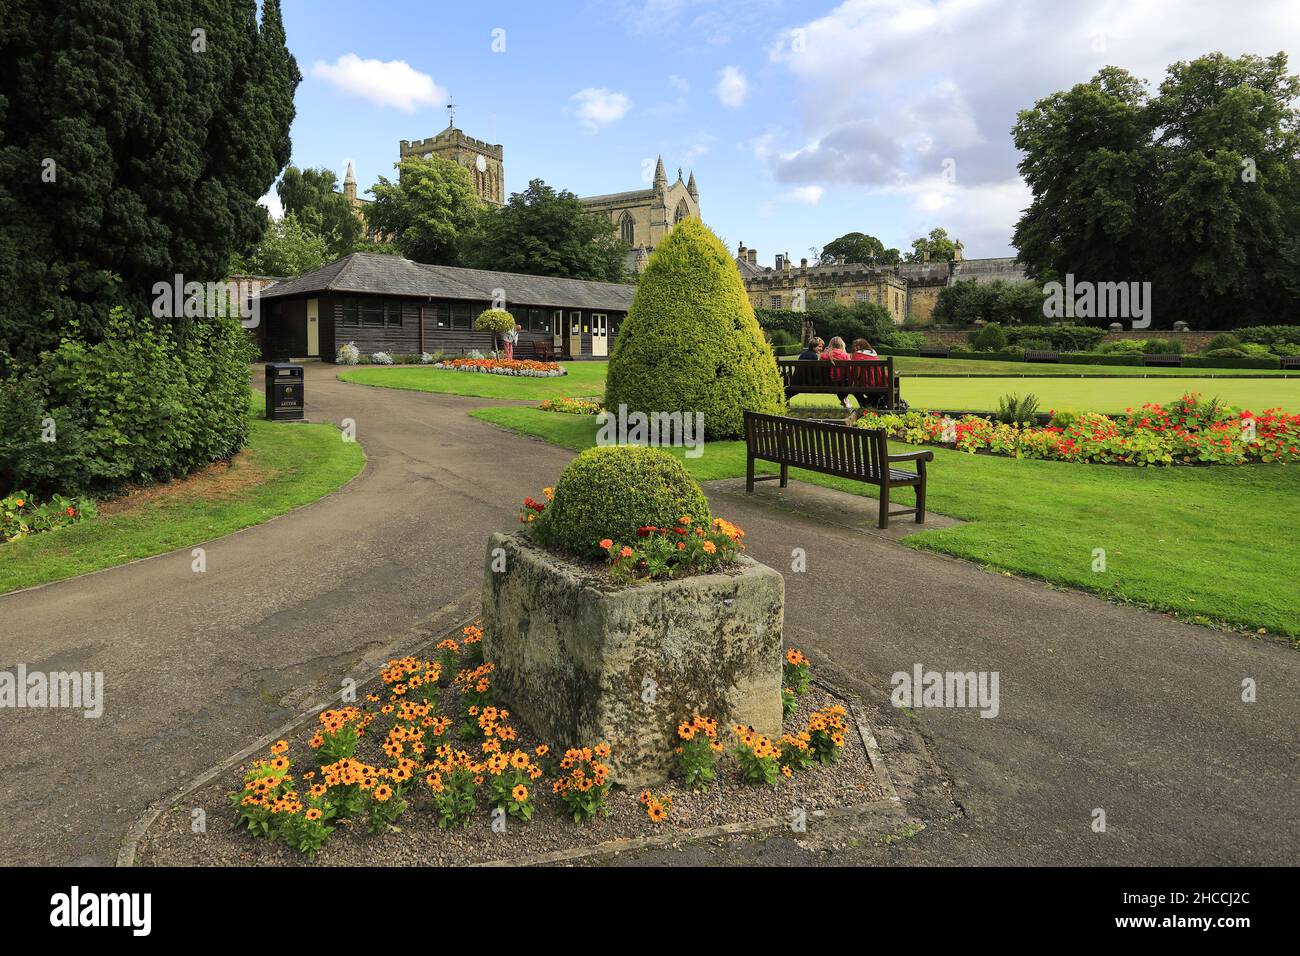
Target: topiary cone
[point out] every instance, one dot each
(690, 342)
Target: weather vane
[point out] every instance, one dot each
(451, 112)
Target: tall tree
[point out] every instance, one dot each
(858, 247)
(135, 140)
(429, 211)
(1195, 189)
(548, 233)
(311, 195)
(936, 247)
(288, 248)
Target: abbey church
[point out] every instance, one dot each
(642, 217)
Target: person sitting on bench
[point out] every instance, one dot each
(812, 351)
(836, 353)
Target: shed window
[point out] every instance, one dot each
(462, 316)
(538, 320)
(372, 313)
(349, 312)
(393, 313)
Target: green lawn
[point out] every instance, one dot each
(285, 465)
(1085, 394)
(1099, 393)
(978, 367)
(1202, 542)
(584, 379)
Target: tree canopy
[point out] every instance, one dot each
(135, 140)
(288, 248)
(937, 247)
(1195, 189)
(546, 232)
(312, 197)
(429, 212)
(858, 247)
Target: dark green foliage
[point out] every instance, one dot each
(312, 196)
(1195, 189)
(430, 211)
(1280, 339)
(991, 338)
(543, 232)
(160, 153)
(938, 246)
(858, 248)
(690, 342)
(1062, 338)
(1009, 303)
(610, 491)
(1224, 340)
(142, 404)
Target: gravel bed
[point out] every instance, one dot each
(170, 841)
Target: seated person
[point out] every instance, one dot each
(835, 352)
(863, 352)
(812, 351)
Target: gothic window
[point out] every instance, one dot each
(626, 227)
(683, 211)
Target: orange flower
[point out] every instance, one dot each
(606, 543)
(626, 552)
(279, 747)
(520, 793)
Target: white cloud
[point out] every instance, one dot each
(809, 195)
(888, 90)
(678, 83)
(598, 107)
(732, 88)
(387, 83)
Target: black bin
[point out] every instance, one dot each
(284, 392)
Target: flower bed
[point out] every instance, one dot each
(21, 515)
(1191, 431)
(430, 772)
(527, 368)
(572, 406)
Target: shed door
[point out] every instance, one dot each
(575, 334)
(599, 335)
(313, 328)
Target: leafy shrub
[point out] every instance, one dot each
(1279, 339)
(1060, 338)
(610, 491)
(496, 321)
(1225, 353)
(348, 354)
(1012, 409)
(903, 340)
(690, 342)
(21, 514)
(1124, 347)
(143, 404)
(991, 338)
(1224, 340)
(780, 337)
(381, 358)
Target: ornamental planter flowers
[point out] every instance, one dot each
(527, 368)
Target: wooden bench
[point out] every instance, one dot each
(544, 350)
(820, 376)
(841, 450)
(933, 351)
(1042, 355)
(1170, 361)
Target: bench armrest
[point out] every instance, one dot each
(913, 456)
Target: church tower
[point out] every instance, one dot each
(485, 161)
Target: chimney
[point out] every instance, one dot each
(780, 263)
(785, 260)
(803, 265)
(741, 253)
(753, 257)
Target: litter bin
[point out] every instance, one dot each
(284, 392)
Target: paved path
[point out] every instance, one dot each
(1100, 706)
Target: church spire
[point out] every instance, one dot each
(691, 187)
(661, 178)
(350, 183)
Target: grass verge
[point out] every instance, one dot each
(284, 465)
(1200, 542)
(583, 379)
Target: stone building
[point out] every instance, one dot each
(484, 161)
(787, 286)
(908, 290)
(643, 217)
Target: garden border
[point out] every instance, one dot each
(129, 846)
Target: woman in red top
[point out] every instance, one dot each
(835, 352)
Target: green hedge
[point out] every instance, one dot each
(1093, 358)
(144, 404)
(1245, 361)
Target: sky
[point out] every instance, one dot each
(801, 120)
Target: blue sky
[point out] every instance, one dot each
(802, 121)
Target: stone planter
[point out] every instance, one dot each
(581, 661)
